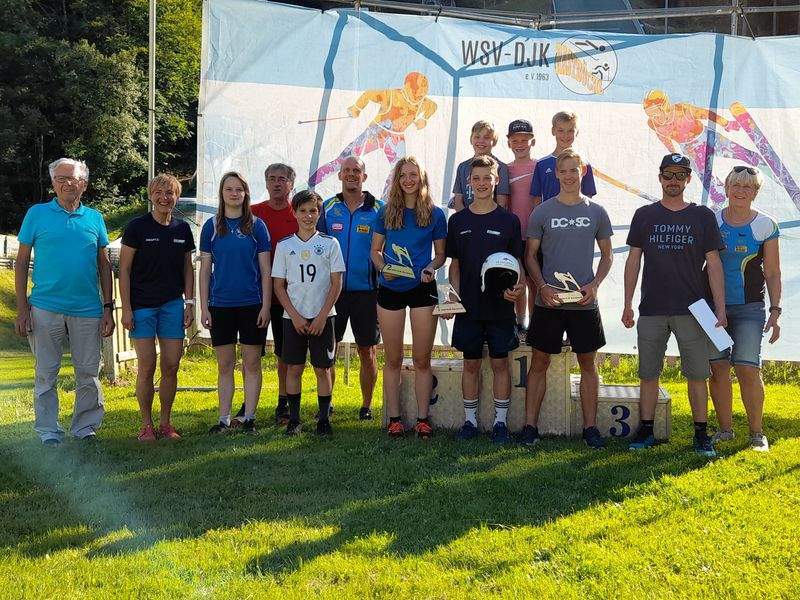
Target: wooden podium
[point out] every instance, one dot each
(618, 405)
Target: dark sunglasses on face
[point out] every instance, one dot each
(668, 176)
(740, 168)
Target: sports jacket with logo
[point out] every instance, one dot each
(354, 234)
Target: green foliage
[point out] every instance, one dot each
(74, 83)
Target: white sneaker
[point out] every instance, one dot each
(758, 442)
(723, 435)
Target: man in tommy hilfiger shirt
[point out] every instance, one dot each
(350, 217)
(675, 238)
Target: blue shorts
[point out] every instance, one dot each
(165, 321)
(469, 337)
(746, 327)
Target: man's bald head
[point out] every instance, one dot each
(352, 174)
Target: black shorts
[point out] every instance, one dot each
(361, 309)
(422, 295)
(583, 327)
(469, 337)
(275, 319)
(321, 347)
(231, 322)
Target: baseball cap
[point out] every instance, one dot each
(675, 160)
(520, 126)
(500, 271)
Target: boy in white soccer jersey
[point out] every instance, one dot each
(307, 276)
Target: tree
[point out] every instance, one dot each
(73, 80)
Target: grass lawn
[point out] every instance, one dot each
(360, 515)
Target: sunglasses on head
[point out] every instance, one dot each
(740, 168)
(669, 176)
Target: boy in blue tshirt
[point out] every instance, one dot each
(483, 138)
(544, 184)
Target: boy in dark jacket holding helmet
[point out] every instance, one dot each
(488, 294)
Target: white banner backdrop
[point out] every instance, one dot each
(278, 82)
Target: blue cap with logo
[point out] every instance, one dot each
(520, 126)
(675, 160)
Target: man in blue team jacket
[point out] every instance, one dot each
(349, 216)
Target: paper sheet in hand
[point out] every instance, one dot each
(707, 319)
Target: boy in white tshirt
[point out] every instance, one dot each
(307, 279)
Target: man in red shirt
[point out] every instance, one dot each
(278, 215)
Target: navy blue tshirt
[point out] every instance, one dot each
(157, 273)
(471, 238)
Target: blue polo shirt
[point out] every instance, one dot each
(65, 246)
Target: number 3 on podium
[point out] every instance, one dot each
(622, 412)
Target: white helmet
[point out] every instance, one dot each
(500, 272)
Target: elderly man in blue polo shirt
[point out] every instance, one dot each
(69, 242)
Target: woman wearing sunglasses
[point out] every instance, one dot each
(750, 260)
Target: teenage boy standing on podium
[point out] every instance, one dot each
(566, 228)
(474, 233)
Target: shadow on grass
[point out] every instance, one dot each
(420, 495)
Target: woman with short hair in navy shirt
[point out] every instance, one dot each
(156, 285)
(235, 294)
(408, 230)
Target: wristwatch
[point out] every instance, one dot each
(189, 302)
(109, 305)
(776, 309)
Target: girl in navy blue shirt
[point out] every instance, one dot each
(409, 230)
(235, 294)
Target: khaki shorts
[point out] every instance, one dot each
(693, 345)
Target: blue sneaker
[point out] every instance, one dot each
(467, 432)
(529, 436)
(704, 446)
(642, 440)
(500, 434)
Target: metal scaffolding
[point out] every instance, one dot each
(736, 10)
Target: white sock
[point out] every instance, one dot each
(501, 410)
(225, 420)
(249, 416)
(471, 411)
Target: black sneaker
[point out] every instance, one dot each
(249, 426)
(293, 428)
(529, 436)
(281, 416)
(364, 414)
(90, 439)
(593, 439)
(704, 446)
(324, 427)
(219, 428)
(51, 443)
